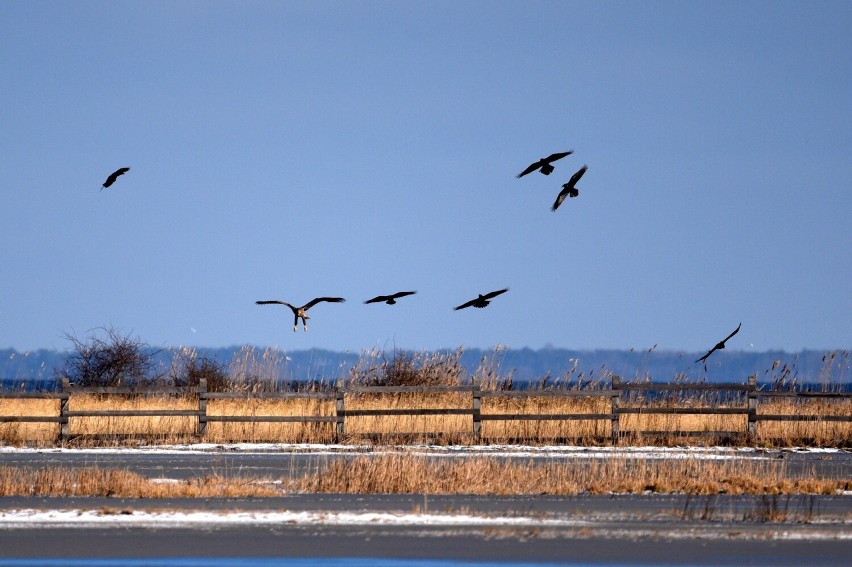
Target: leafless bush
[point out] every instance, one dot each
(108, 361)
(188, 369)
(406, 369)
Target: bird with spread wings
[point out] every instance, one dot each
(301, 312)
(545, 164)
(720, 345)
(390, 299)
(569, 189)
(482, 300)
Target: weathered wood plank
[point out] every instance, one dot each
(34, 395)
(269, 395)
(271, 418)
(424, 411)
(829, 395)
(685, 411)
(680, 387)
(544, 416)
(130, 391)
(133, 413)
(547, 394)
(30, 419)
(789, 417)
(406, 389)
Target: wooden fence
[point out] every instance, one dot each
(623, 398)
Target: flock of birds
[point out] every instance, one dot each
(544, 166)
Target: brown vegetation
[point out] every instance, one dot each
(401, 473)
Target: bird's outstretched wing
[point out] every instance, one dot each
(737, 330)
(530, 168)
(553, 157)
(495, 293)
(559, 198)
(467, 304)
(378, 299)
(316, 300)
(114, 175)
(576, 177)
(274, 301)
(399, 294)
(703, 358)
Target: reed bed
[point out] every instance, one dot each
(581, 431)
(402, 473)
(162, 426)
(412, 474)
(93, 481)
(225, 432)
(18, 432)
(431, 428)
(443, 428)
(818, 433)
(253, 372)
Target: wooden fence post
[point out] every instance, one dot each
(202, 407)
(340, 410)
(615, 403)
(64, 428)
(752, 406)
(477, 407)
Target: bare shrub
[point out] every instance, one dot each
(407, 369)
(108, 361)
(188, 369)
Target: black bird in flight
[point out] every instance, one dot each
(390, 299)
(568, 189)
(113, 176)
(301, 312)
(482, 300)
(544, 164)
(720, 345)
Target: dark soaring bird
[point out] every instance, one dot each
(390, 299)
(113, 176)
(544, 164)
(720, 345)
(482, 300)
(301, 312)
(568, 189)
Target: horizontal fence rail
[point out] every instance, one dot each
(625, 399)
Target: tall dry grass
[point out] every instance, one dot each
(17, 432)
(402, 473)
(253, 371)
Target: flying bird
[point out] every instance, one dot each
(301, 312)
(544, 164)
(482, 300)
(390, 299)
(720, 345)
(568, 189)
(113, 176)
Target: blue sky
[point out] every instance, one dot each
(289, 150)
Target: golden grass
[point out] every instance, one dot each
(819, 433)
(224, 432)
(14, 432)
(579, 431)
(412, 474)
(92, 481)
(440, 428)
(402, 473)
(450, 428)
(170, 426)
